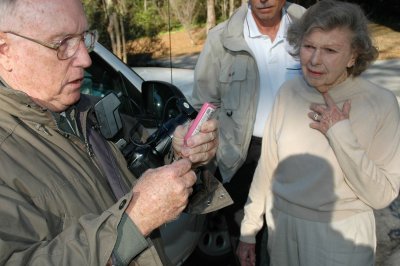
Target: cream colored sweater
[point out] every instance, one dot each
(354, 168)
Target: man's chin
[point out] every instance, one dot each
(72, 99)
(59, 104)
(65, 103)
(76, 97)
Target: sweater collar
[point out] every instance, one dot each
(340, 92)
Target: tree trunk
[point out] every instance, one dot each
(123, 40)
(117, 32)
(185, 11)
(210, 14)
(224, 9)
(231, 7)
(115, 11)
(111, 33)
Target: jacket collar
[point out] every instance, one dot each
(233, 32)
(19, 104)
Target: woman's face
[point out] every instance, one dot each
(325, 57)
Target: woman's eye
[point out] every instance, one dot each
(307, 46)
(329, 50)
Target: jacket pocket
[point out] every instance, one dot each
(231, 136)
(232, 78)
(233, 116)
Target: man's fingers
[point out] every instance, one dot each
(212, 135)
(189, 178)
(207, 146)
(202, 138)
(180, 132)
(185, 172)
(210, 125)
(183, 166)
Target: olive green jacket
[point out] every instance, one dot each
(56, 205)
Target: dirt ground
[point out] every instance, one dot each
(181, 43)
(386, 39)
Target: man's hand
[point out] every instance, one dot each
(160, 195)
(200, 148)
(246, 253)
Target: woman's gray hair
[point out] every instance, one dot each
(328, 15)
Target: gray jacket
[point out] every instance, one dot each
(226, 75)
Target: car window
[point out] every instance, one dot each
(100, 79)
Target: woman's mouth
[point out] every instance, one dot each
(314, 73)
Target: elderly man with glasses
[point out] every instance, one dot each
(57, 207)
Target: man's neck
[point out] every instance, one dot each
(269, 28)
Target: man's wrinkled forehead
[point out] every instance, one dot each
(44, 14)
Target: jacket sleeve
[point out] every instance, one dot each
(25, 238)
(371, 170)
(206, 74)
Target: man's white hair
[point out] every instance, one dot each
(7, 11)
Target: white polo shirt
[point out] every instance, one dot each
(274, 63)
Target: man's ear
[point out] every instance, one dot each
(5, 61)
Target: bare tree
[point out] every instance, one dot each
(231, 7)
(186, 13)
(211, 21)
(224, 9)
(115, 11)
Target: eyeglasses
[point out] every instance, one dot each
(67, 47)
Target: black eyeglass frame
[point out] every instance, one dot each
(93, 34)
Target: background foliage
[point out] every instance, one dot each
(121, 21)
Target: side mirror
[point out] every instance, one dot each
(160, 102)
